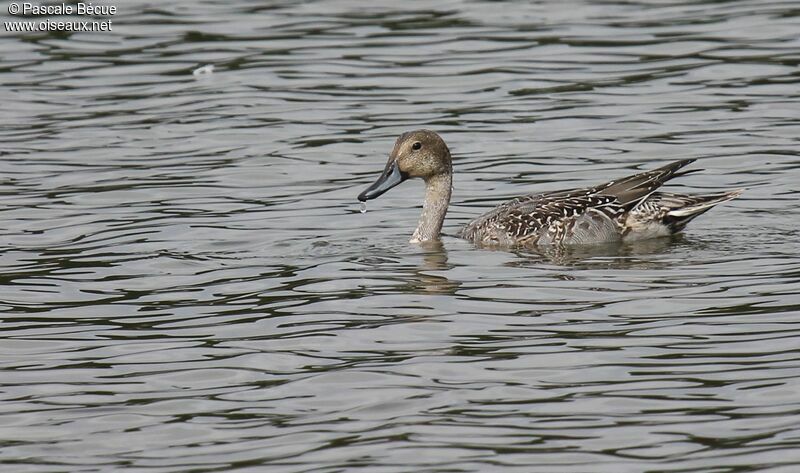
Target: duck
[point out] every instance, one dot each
(621, 210)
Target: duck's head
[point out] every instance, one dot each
(419, 153)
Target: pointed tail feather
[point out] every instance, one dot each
(682, 209)
(692, 204)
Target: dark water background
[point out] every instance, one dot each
(187, 283)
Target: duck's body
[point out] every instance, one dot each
(621, 210)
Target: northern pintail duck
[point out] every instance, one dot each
(621, 210)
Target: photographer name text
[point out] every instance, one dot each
(26, 8)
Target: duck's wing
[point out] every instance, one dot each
(544, 218)
(634, 189)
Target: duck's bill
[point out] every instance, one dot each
(390, 177)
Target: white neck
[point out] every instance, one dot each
(437, 197)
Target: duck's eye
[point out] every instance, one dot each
(417, 145)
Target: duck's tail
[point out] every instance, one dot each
(677, 210)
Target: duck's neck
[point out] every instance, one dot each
(437, 197)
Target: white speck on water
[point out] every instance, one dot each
(203, 70)
(363, 208)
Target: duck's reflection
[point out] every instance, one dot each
(631, 255)
(628, 255)
(434, 258)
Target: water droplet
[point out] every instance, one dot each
(363, 207)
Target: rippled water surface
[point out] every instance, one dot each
(188, 284)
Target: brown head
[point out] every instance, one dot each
(419, 153)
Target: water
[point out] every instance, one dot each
(188, 284)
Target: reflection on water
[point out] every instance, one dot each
(627, 255)
(188, 283)
(426, 276)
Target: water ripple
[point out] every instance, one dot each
(188, 284)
